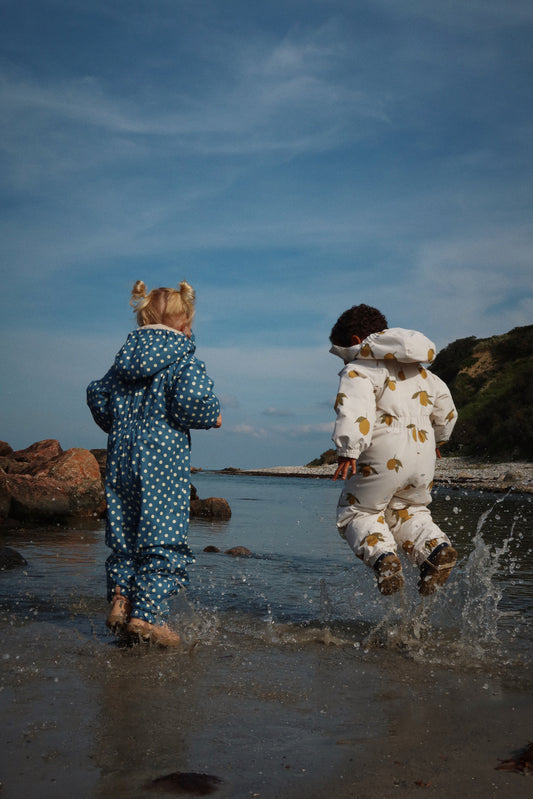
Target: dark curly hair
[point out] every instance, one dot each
(359, 320)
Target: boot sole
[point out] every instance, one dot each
(435, 575)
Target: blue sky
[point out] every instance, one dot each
(289, 159)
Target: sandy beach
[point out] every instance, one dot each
(459, 473)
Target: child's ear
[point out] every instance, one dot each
(355, 340)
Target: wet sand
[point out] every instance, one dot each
(304, 714)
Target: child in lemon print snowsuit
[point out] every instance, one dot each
(392, 413)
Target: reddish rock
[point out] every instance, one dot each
(54, 484)
(5, 449)
(101, 459)
(9, 466)
(36, 498)
(5, 499)
(211, 548)
(212, 508)
(239, 552)
(40, 451)
(79, 469)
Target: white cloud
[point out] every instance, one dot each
(277, 412)
(305, 429)
(247, 430)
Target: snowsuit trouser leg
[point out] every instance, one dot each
(382, 509)
(147, 533)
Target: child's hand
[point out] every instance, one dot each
(343, 469)
(218, 422)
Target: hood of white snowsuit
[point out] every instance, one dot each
(395, 344)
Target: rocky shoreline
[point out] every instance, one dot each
(453, 472)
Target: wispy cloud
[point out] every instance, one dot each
(277, 412)
(289, 166)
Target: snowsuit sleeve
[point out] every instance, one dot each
(444, 412)
(355, 406)
(193, 404)
(99, 401)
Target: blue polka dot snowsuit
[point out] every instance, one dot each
(153, 394)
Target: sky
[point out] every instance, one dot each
(290, 159)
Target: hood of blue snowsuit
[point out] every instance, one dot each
(155, 382)
(149, 350)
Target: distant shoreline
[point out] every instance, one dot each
(453, 472)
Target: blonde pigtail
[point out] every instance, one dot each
(163, 305)
(188, 299)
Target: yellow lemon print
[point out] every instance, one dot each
(381, 520)
(408, 547)
(422, 435)
(401, 375)
(423, 398)
(364, 425)
(390, 356)
(372, 539)
(431, 543)
(431, 355)
(394, 465)
(391, 384)
(353, 373)
(423, 372)
(365, 351)
(366, 470)
(450, 416)
(412, 428)
(339, 400)
(352, 500)
(403, 514)
(387, 418)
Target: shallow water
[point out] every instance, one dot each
(293, 668)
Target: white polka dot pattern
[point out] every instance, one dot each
(153, 394)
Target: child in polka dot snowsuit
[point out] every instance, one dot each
(391, 415)
(154, 393)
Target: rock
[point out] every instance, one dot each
(5, 498)
(40, 452)
(101, 459)
(79, 469)
(5, 449)
(10, 559)
(239, 552)
(194, 493)
(36, 498)
(54, 484)
(212, 508)
(211, 548)
(9, 466)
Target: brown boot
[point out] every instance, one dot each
(389, 575)
(161, 635)
(434, 572)
(119, 614)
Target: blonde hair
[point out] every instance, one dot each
(162, 305)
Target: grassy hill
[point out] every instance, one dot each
(491, 380)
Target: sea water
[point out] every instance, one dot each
(302, 581)
(293, 671)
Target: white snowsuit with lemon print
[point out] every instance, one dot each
(391, 414)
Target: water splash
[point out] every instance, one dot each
(481, 614)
